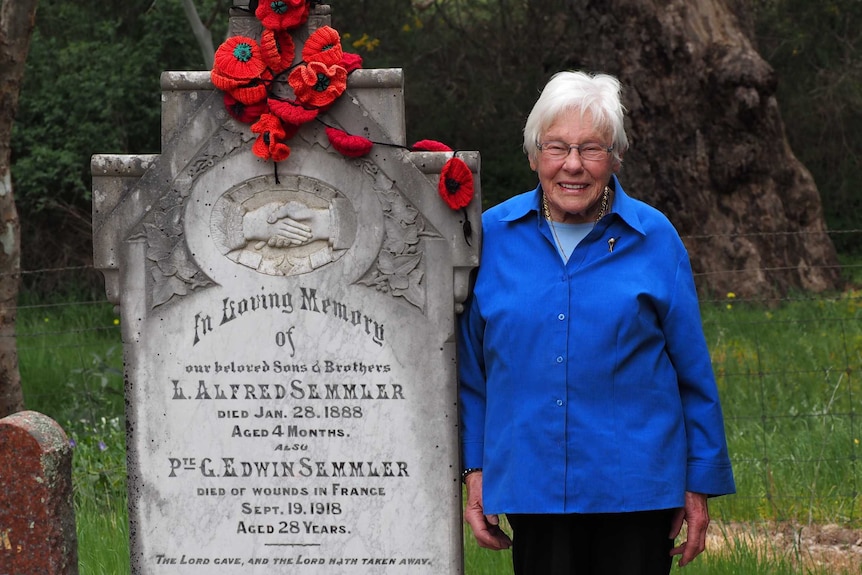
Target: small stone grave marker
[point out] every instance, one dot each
(37, 514)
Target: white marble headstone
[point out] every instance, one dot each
(288, 407)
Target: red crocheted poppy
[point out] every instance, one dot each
(282, 14)
(239, 58)
(456, 183)
(290, 130)
(324, 46)
(277, 49)
(317, 84)
(270, 143)
(351, 62)
(241, 112)
(223, 82)
(430, 146)
(291, 112)
(253, 92)
(348, 145)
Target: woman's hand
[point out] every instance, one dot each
(696, 516)
(486, 528)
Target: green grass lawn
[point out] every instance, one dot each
(791, 390)
(788, 376)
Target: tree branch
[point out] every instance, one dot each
(202, 34)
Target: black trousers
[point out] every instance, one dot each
(592, 544)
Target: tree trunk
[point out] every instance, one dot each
(17, 18)
(707, 141)
(202, 34)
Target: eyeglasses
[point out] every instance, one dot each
(590, 151)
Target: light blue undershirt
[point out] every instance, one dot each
(568, 236)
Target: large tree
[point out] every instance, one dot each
(17, 18)
(710, 146)
(708, 141)
(91, 85)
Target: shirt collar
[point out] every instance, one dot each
(624, 206)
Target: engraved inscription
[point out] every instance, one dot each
(285, 461)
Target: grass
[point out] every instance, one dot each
(100, 502)
(788, 376)
(790, 386)
(70, 360)
(731, 550)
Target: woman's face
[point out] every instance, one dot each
(573, 186)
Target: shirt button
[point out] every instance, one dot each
(561, 317)
(560, 402)
(559, 359)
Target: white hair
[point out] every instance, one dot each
(596, 94)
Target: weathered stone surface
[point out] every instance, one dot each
(289, 406)
(37, 515)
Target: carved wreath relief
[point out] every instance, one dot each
(173, 271)
(398, 270)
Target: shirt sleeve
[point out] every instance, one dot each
(472, 388)
(708, 463)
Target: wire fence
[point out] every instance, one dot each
(788, 370)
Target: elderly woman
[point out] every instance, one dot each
(589, 410)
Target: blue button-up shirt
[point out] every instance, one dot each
(587, 386)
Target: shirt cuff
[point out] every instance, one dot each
(710, 480)
(472, 454)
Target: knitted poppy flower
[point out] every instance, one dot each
(430, 146)
(351, 62)
(347, 144)
(282, 14)
(290, 130)
(317, 84)
(291, 112)
(324, 46)
(277, 49)
(456, 183)
(223, 82)
(247, 114)
(239, 57)
(254, 91)
(270, 143)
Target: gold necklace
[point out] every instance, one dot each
(546, 210)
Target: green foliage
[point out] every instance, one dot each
(71, 370)
(789, 391)
(816, 50)
(100, 460)
(91, 85)
(70, 360)
(99, 477)
(469, 83)
(103, 537)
